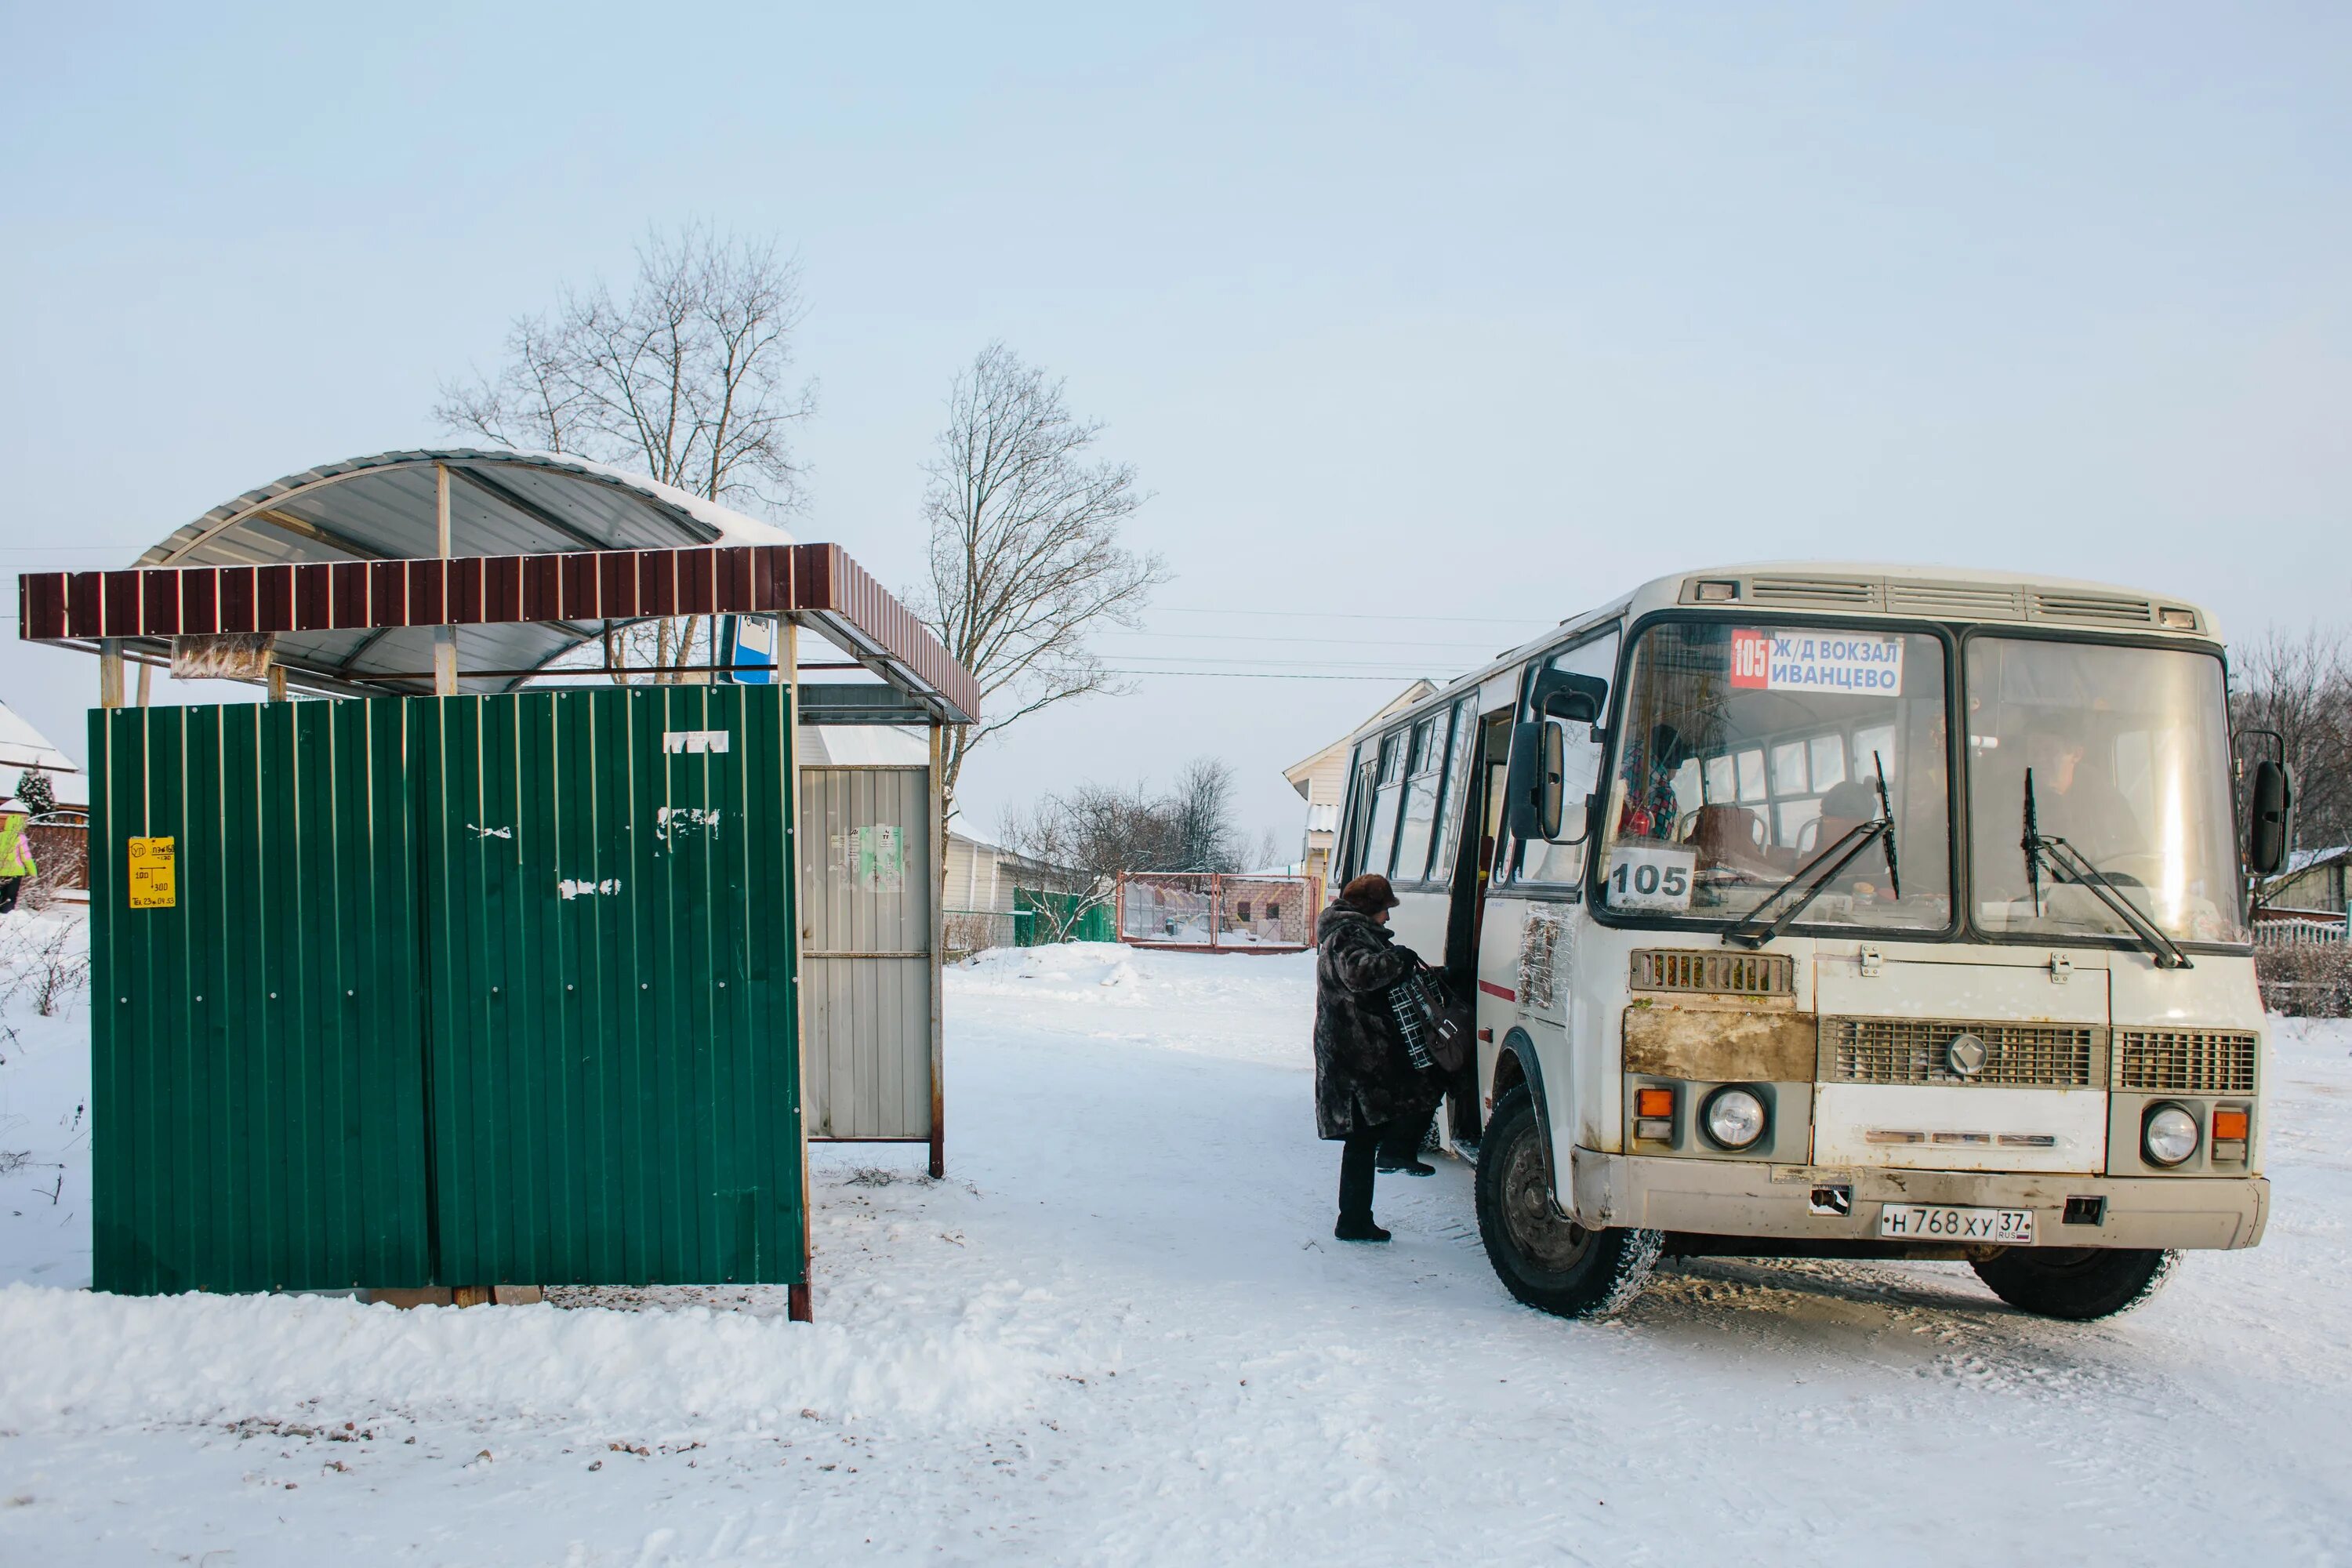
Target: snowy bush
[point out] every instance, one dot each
(45, 960)
(2307, 982)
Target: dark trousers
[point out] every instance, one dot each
(9, 888)
(1356, 1156)
(1400, 1144)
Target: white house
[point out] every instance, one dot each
(22, 746)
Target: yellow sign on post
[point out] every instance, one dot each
(152, 883)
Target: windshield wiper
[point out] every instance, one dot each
(1753, 932)
(2064, 856)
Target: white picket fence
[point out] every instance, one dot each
(2301, 933)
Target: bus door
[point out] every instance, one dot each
(1481, 829)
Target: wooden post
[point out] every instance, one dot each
(110, 672)
(936, 810)
(800, 1304)
(277, 685)
(445, 637)
(146, 682)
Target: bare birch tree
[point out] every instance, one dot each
(1027, 557)
(2301, 689)
(687, 379)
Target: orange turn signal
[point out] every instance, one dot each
(2229, 1124)
(1654, 1102)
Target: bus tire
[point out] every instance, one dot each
(1544, 1258)
(2076, 1283)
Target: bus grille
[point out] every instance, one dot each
(1727, 973)
(2186, 1061)
(1912, 1051)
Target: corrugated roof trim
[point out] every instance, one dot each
(815, 583)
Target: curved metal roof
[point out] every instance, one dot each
(384, 507)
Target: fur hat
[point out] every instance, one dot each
(1370, 893)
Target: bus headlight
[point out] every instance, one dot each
(1734, 1118)
(2169, 1136)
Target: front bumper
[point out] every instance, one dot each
(1728, 1197)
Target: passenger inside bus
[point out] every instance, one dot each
(1651, 809)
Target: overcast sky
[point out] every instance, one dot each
(1426, 326)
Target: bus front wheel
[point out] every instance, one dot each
(2077, 1283)
(1543, 1257)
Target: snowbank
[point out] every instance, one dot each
(109, 1360)
(1241, 1007)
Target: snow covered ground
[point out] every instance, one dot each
(1120, 1333)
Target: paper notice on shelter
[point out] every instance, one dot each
(155, 883)
(1861, 663)
(694, 740)
(873, 857)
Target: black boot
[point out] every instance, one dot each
(1401, 1143)
(1359, 1230)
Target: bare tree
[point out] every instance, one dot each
(2301, 687)
(1026, 561)
(1200, 812)
(687, 379)
(1097, 831)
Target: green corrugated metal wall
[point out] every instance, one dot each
(257, 1103)
(542, 1022)
(1032, 910)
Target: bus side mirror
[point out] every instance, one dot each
(1533, 785)
(1538, 786)
(2269, 803)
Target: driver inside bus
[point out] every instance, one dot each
(1845, 807)
(2075, 793)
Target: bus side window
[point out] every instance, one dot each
(1460, 747)
(1564, 863)
(1356, 810)
(1379, 845)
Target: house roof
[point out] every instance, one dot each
(22, 746)
(2301, 860)
(1298, 773)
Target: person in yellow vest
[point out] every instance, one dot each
(16, 867)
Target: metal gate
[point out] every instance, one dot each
(868, 936)
(464, 991)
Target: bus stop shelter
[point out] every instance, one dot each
(500, 966)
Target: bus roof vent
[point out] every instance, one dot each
(2101, 609)
(1959, 601)
(1815, 593)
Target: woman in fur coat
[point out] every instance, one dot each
(1365, 1082)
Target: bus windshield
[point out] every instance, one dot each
(2129, 751)
(1750, 756)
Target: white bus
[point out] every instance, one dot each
(1843, 911)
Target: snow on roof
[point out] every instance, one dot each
(2305, 860)
(864, 746)
(501, 502)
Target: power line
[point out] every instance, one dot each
(1269, 636)
(1372, 666)
(1538, 622)
(1251, 675)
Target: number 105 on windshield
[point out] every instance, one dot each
(1646, 876)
